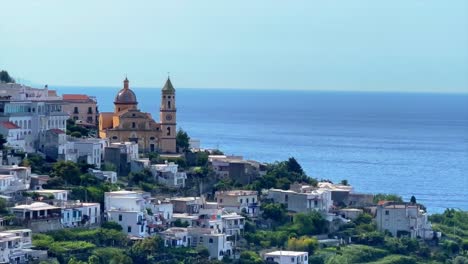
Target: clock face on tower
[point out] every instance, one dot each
(168, 117)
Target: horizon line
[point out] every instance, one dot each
(54, 86)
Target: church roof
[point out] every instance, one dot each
(125, 95)
(168, 88)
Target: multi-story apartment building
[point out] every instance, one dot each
(32, 111)
(81, 107)
(15, 247)
(168, 174)
(311, 200)
(403, 219)
(14, 178)
(128, 209)
(239, 201)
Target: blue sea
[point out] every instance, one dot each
(402, 143)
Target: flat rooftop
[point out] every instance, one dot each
(286, 253)
(237, 193)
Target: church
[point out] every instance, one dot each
(128, 123)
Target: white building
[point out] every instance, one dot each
(233, 224)
(38, 216)
(313, 200)
(32, 110)
(15, 246)
(403, 219)
(13, 135)
(61, 195)
(91, 213)
(239, 201)
(176, 237)
(77, 214)
(131, 148)
(5, 182)
(14, 178)
(90, 149)
(128, 209)
(108, 176)
(287, 257)
(217, 244)
(168, 174)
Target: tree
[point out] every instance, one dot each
(5, 77)
(413, 199)
(344, 182)
(3, 141)
(250, 257)
(68, 171)
(309, 224)
(182, 140)
(112, 225)
(3, 206)
(304, 243)
(274, 211)
(294, 166)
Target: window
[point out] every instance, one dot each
(142, 228)
(241, 200)
(75, 111)
(129, 229)
(220, 200)
(386, 212)
(90, 110)
(210, 241)
(168, 131)
(315, 203)
(120, 217)
(247, 200)
(114, 137)
(292, 260)
(169, 104)
(133, 125)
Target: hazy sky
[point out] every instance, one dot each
(400, 45)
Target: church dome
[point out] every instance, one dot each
(125, 95)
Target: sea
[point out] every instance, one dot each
(400, 143)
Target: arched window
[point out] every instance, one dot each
(168, 131)
(133, 125)
(169, 104)
(210, 241)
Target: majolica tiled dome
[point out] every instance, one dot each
(125, 96)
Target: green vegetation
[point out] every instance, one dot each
(75, 130)
(276, 228)
(387, 197)
(5, 77)
(281, 175)
(182, 141)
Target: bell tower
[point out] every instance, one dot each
(167, 115)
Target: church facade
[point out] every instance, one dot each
(128, 123)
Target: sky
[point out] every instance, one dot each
(362, 45)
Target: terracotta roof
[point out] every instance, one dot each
(52, 93)
(75, 97)
(57, 131)
(9, 125)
